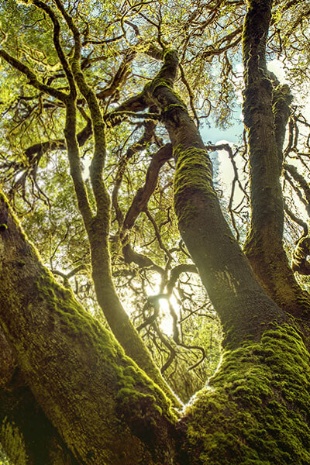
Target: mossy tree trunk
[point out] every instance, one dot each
(266, 112)
(104, 407)
(25, 431)
(242, 304)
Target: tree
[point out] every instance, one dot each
(86, 82)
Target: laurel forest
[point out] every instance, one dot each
(154, 232)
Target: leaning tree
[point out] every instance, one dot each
(104, 169)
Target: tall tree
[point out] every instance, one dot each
(122, 89)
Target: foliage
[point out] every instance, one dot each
(37, 177)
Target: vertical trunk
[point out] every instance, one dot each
(265, 115)
(255, 410)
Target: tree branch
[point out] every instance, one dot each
(143, 194)
(32, 78)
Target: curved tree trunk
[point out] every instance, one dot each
(225, 272)
(104, 407)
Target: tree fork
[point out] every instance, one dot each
(224, 270)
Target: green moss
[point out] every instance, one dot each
(140, 404)
(59, 344)
(144, 407)
(70, 315)
(13, 443)
(256, 409)
(193, 169)
(136, 389)
(172, 107)
(193, 176)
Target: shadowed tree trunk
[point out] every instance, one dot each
(25, 428)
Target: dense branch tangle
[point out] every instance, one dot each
(96, 216)
(96, 219)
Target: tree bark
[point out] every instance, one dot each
(104, 407)
(20, 410)
(225, 272)
(266, 112)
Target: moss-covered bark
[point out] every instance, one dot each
(242, 304)
(28, 437)
(103, 406)
(266, 111)
(25, 431)
(256, 409)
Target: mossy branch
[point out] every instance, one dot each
(75, 164)
(282, 99)
(71, 111)
(166, 76)
(98, 161)
(71, 120)
(206, 234)
(32, 78)
(143, 194)
(56, 38)
(299, 178)
(255, 33)
(73, 29)
(300, 264)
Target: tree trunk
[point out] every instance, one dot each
(26, 434)
(243, 306)
(255, 410)
(104, 407)
(266, 112)
(97, 226)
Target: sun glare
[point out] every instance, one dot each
(166, 321)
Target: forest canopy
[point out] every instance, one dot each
(154, 227)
